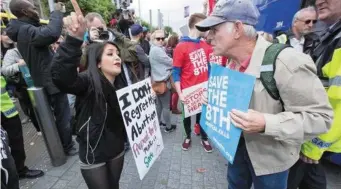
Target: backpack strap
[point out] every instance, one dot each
(268, 69)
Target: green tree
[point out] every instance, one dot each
(146, 24)
(103, 7)
(168, 30)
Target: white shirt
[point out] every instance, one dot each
(297, 44)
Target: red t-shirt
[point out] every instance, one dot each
(191, 58)
(221, 60)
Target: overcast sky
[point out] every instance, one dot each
(172, 9)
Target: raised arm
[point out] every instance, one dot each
(46, 35)
(64, 67)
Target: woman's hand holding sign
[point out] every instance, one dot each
(250, 122)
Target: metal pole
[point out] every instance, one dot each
(140, 12)
(46, 121)
(42, 110)
(150, 18)
(51, 5)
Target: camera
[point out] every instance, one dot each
(103, 34)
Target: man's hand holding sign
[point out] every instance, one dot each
(250, 122)
(225, 101)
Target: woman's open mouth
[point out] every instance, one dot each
(118, 64)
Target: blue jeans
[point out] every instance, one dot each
(241, 175)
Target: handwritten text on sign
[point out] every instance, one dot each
(193, 96)
(227, 90)
(142, 125)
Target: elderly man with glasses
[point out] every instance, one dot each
(273, 129)
(301, 35)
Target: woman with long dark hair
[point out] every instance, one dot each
(101, 131)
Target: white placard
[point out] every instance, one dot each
(193, 96)
(142, 125)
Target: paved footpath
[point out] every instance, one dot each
(174, 169)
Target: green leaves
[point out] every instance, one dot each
(104, 7)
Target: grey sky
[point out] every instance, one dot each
(172, 9)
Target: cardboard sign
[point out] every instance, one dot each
(227, 90)
(193, 96)
(142, 125)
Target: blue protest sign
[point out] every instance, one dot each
(227, 90)
(276, 15)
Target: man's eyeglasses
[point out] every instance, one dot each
(160, 38)
(308, 21)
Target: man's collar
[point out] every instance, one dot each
(29, 21)
(257, 57)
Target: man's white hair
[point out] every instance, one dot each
(92, 15)
(249, 30)
(298, 13)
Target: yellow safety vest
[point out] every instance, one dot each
(7, 106)
(331, 141)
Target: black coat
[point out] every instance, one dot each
(101, 132)
(33, 43)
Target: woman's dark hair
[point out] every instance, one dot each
(93, 58)
(173, 41)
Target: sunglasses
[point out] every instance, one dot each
(160, 38)
(309, 21)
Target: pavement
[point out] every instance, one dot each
(174, 169)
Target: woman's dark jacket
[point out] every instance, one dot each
(101, 132)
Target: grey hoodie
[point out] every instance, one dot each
(10, 63)
(161, 64)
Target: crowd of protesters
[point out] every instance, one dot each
(82, 61)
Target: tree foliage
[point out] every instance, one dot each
(145, 24)
(168, 30)
(103, 7)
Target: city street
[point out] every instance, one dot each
(174, 169)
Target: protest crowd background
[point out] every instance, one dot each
(246, 86)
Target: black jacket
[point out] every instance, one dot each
(323, 53)
(145, 46)
(33, 43)
(101, 132)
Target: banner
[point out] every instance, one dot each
(184, 30)
(142, 125)
(186, 11)
(273, 17)
(227, 90)
(193, 95)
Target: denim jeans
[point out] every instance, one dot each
(72, 102)
(241, 175)
(62, 114)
